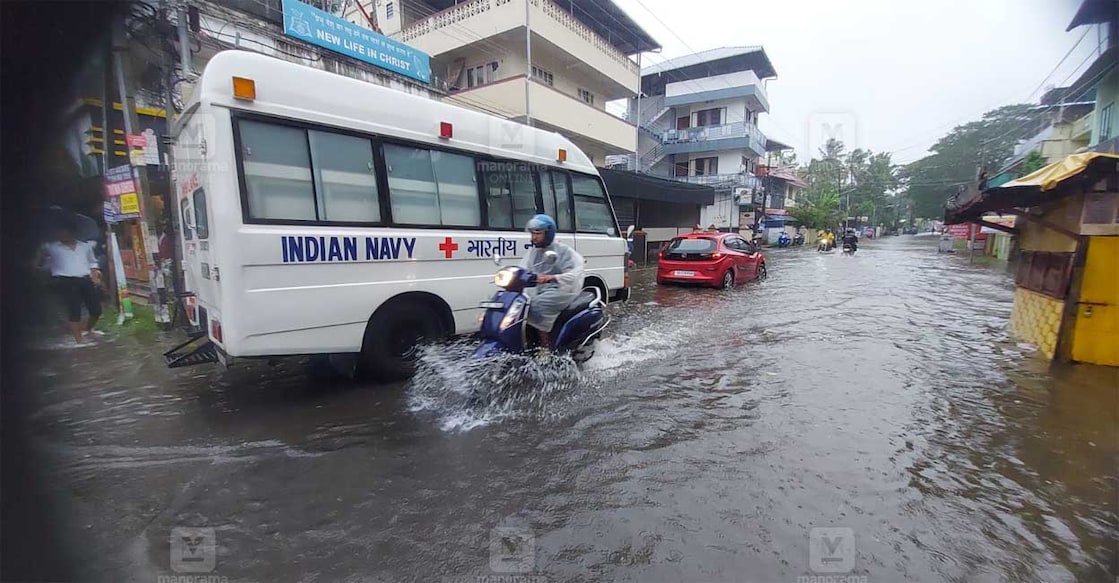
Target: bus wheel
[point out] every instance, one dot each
(393, 337)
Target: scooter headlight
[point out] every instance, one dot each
(504, 278)
(514, 314)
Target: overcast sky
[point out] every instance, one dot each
(902, 73)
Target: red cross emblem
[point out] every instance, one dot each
(448, 247)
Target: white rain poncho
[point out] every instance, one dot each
(549, 299)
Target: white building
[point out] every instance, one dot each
(552, 64)
(699, 124)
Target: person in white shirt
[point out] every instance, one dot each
(75, 271)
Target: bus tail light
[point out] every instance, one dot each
(244, 88)
(446, 130)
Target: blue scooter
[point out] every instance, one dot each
(784, 240)
(505, 322)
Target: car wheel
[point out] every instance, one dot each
(393, 336)
(762, 273)
(728, 279)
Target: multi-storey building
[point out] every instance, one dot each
(554, 65)
(698, 116)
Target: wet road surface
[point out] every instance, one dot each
(707, 439)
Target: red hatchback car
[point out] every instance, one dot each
(715, 259)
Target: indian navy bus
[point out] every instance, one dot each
(325, 215)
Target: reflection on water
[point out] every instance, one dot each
(707, 437)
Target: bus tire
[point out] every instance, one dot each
(389, 350)
(594, 282)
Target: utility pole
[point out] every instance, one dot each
(528, 65)
(637, 123)
(148, 221)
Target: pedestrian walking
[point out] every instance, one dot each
(76, 276)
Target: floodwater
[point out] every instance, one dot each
(878, 396)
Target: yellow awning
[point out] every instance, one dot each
(1049, 177)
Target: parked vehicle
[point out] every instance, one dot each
(784, 240)
(505, 322)
(714, 259)
(798, 240)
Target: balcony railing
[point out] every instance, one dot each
(719, 132)
(583, 31)
(739, 179)
(462, 14)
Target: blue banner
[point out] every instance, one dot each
(323, 29)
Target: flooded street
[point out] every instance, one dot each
(705, 441)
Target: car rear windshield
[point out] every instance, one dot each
(692, 246)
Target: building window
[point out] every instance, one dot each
(586, 96)
(710, 117)
(1105, 122)
(481, 75)
(389, 10)
(543, 76)
(706, 166)
(681, 169)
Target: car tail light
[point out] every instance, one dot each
(660, 254)
(215, 330)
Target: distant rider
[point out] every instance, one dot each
(850, 238)
(558, 283)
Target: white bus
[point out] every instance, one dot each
(325, 215)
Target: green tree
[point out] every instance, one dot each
(956, 157)
(817, 212)
(1034, 161)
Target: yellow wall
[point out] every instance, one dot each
(1065, 213)
(1036, 319)
(1096, 338)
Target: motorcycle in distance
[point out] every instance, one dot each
(822, 245)
(848, 249)
(784, 240)
(505, 322)
(798, 240)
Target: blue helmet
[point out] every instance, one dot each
(543, 223)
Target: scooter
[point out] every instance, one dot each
(848, 249)
(798, 240)
(784, 240)
(505, 322)
(822, 245)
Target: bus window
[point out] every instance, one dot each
(415, 200)
(201, 222)
(557, 200)
(458, 189)
(499, 202)
(184, 205)
(524, 197)
(277, 171)
(592, 213)
(345, 180)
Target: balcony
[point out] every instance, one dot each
(1082, 128)
(479, 20)
(741, 84)
(725, 180)
(731, 136)
(569, 115)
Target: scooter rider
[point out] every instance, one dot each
(558, 282)
(850, 238)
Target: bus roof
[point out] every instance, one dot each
(304, 93)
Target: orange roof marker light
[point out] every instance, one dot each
(562, 155)
(244, 88)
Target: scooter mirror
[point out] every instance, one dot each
(629, 231)
(551, 256)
